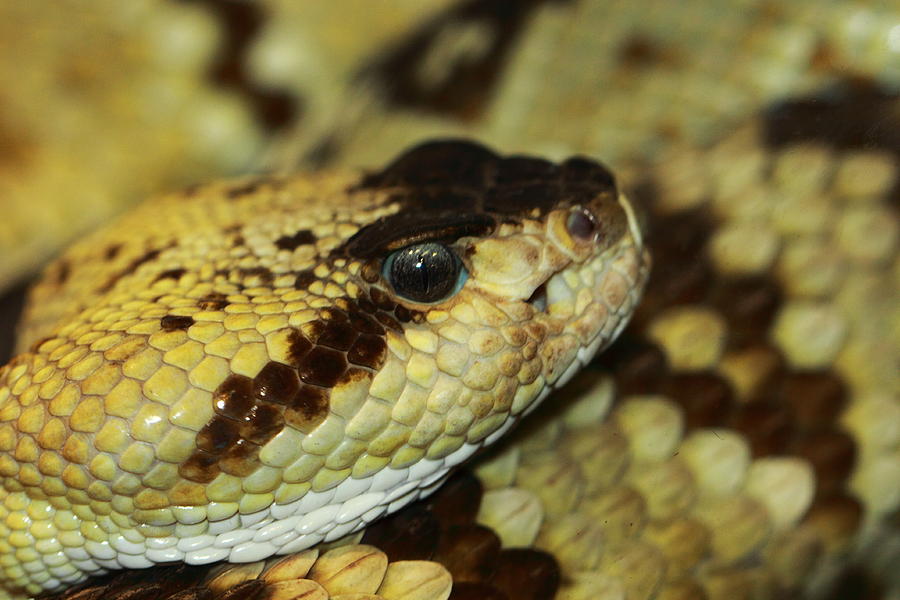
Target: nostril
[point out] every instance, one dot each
(582, 224)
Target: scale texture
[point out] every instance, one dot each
(228, 373)
(742, 440)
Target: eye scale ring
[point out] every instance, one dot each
(425, 273)
(582, 224)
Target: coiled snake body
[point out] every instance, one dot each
(250, 368)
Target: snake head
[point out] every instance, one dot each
(250, 368)
(531, 266)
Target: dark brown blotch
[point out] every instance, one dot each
(832, 455)
(458, 500)
(364, 323)
(333, 314)
(382, 299)
(368, 351)
(276, 383)
(411, 534)
(524, 196)
(262, 424)
(458, 163)
(642, 52)
(707, 398)
(639, 366)
(682, 271)
(767, 426)
(112, 251)
(417, 224)
(63, 270)
(234, 397)
(370, 271)
(817, 397)
(527, 574)
(298, 347)
(304, 237)
(254, 589)
(469, 552)
(171, 274)
(403, 314)
(175, 322)
(307, 408)
(200, 467)
(583, 171)
(366, 306)
(337, 335)
(241, 459)
(464, 82)
(217, 435)
(517, 170)
(389, 322)
(312, 330)
(322, 366)
(476, 590)
(836, 518)
(749, 305)
(213, 301)
(854, 114)
(305, 279)
(145, 258)
(130, 268)
(244, 189)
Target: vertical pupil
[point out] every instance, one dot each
(425, 272)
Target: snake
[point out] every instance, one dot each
(739, 440)
(250, 368)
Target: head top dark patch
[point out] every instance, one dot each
(454, 188)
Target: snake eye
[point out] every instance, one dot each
(582, 224)
(426, 273)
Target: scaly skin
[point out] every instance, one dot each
(225, 373)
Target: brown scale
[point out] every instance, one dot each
(175, 322)
(245, 189)
(171, 274)
(305, 279)
(641, 52)
(443, 529)
(213, 301)
(707, 398)
(249, 413)
(304, 237)
(346, 343)
(63, 272)
(112, 251)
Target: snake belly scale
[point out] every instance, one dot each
(237, 371)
